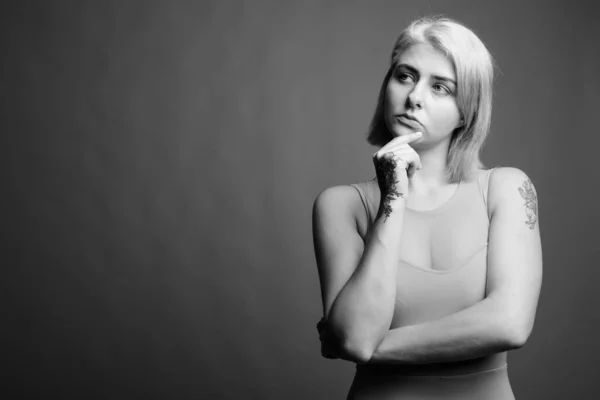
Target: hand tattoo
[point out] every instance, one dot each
(386, 177)
(531, 205)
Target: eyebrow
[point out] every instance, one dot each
(437, 77)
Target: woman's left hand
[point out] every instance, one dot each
(328, 348)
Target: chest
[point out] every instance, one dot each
(443, 243)
(443, 265)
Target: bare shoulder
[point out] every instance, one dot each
(342, 202)
(340, 194)
(511, 186)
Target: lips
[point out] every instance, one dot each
(409, 121)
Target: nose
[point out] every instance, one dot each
(415, 98)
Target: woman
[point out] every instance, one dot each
(431, 271)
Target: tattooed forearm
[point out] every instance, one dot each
(528, 193)
(386, 177)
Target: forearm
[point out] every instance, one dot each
(477, 331)
(362, 312)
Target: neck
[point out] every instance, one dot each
(432, 175)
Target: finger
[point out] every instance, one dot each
(396, 142)
(405, 139)
(405, 159)
(403, 148)
(403, 152)
(412, 170)
(418, 162)
(405, 163)
(412, 158)
(411, 137)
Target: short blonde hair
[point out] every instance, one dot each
(474, 68)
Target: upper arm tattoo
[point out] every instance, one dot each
(528, 193)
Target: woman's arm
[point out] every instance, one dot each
(504, 319)
(357, 279)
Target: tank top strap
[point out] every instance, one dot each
(484, 183)
(361, 189)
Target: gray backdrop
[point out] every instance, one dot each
(160, 164)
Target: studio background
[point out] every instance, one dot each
(161, 159)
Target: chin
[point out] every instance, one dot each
(402, 130)
(397, 129)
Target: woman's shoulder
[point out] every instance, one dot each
(502, 178)
(349, 193)
(347, 200)
(340, 197)
(507, 183)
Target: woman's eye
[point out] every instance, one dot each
(402, 77)
(441, 88)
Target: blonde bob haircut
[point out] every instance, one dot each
(474, 68)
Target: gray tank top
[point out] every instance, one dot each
(442, 267)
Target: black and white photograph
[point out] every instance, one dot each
(360, 200)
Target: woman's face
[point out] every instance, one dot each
(421, 95)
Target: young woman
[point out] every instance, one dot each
(431, 271)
